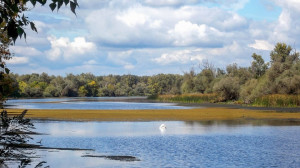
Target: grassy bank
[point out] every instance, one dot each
(274, 100)
(188, 98)
(156, 115)
(278, 100)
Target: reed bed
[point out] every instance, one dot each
(278, 100)
(188, 98)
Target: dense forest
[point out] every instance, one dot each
(279, 76)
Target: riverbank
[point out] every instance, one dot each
(197, 114)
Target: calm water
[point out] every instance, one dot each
(87, 103)
(182, 144)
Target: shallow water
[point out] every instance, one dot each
(87, 103)
(182, 144)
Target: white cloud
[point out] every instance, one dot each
(90, 62)
(169, 2)
(28, 51)
(186, 33)
(261, 45)
(143, 26)
(143, 35)
(121, 58)
(181, 57)
(18, 60)
(288, 24)
(233, 5)
(289, 4)
(132, 18)
(69, 50)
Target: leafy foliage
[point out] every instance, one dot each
(13, 20)
(14, 132)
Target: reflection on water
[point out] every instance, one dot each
(183, 144)
(87, 103)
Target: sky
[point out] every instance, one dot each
(148, 37)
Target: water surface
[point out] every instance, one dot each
(93, 103)
(182, 144)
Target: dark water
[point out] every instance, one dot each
(182, 144)
(87, 103)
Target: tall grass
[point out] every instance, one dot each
(278, 100)
(188, 98)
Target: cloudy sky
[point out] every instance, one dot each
(146, 37)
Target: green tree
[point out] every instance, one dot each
(258, 66)
(283, 53)
(82, 92)
(188, 82)
(203, 81)
(5, 81)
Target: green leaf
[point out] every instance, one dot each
(7, 70)
(2, 65)
(66, 2)
(33, 2)
(60, 2)
(33, 27)
(73, 7)
(15, 8)
(43, 2)
(75, 1)
(20, 31)
(12, 30)
(52, 6)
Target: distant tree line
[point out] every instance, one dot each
(279, 76)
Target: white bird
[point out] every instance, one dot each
(162, 127)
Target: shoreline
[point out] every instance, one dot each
(195, 114)
(144, 99)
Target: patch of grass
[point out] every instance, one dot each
(278, 100)
(202, 114)
(188, 98)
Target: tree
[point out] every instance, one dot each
(203, 81)
(188, 82)
(258, 66)
(12, 25)
(282, 53)
(5, 81)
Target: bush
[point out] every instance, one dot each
(227, 88)
(247, 91)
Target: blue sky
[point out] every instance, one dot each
(146, 37)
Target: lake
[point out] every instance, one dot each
(242, 144)
(95, 103)
(182, 144)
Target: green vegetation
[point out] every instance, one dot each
(189, 98)
(251, 85)
(13, 21)
(278, 100)
(276, 83)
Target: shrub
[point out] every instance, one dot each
(247, 91)
(227, 88)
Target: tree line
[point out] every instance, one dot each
(279, 76)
